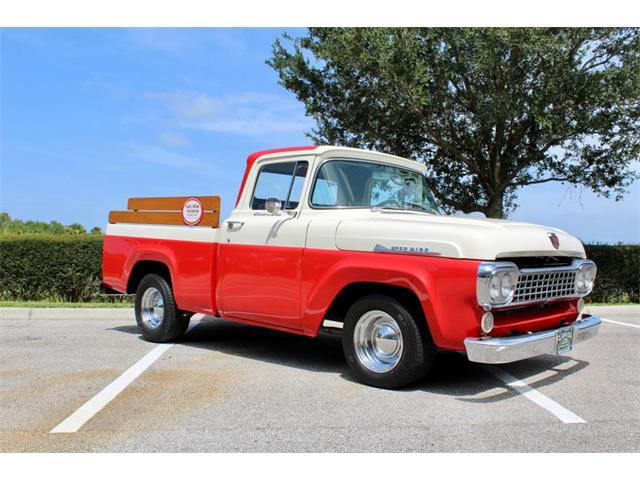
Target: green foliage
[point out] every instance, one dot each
(50, 267)
(618, 279)
(489, 110)
(10, 226)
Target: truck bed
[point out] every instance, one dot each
(153, 231)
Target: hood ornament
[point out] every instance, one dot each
(555, 241)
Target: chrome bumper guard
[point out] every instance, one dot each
(511, 349)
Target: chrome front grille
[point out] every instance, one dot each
(542, 285)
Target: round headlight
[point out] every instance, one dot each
(589, 277)
(585, 276)
(580, 280)
(496, 283)
(495, 287)
(507, 286)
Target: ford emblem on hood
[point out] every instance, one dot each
(555, 241)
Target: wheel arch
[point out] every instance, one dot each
(352, 292)
(145, 267)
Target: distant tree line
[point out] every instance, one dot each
(14, 226)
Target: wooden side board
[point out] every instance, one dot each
(166, 211)
(171, 203)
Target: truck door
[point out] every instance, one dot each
(261, 252)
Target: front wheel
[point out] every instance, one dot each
(383, 343)
(156, 312)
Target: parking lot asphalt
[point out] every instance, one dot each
(231, 387)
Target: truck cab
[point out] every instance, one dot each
(353, 242)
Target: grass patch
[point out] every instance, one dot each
(50, 304)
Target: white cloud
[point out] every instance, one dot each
(174, 139)
(246, 113)
(161, 156)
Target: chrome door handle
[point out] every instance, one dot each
(231, 224)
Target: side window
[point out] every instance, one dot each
(325, 193)
(283, 181)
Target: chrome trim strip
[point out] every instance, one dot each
(532, 303)
(332, 324)
(575, 264)
(495, 350)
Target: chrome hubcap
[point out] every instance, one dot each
(378, 341)
(152, 307)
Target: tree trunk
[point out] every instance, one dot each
(495, 207)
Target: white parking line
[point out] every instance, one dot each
(620, 323)
(565, 415)
(82, 415)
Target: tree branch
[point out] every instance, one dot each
(544, 180)
(588, 65)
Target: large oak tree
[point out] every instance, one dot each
(488, 110)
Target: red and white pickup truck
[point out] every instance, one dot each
(352, 241)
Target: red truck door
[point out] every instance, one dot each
(261, 254)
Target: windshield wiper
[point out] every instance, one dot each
(416, 208)
(422, 208)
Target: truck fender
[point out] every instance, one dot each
(326, 288)
(156, 253)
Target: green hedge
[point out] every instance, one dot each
(67, 268)
(618, 279)
(50, 267)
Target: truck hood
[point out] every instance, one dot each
(452, 236)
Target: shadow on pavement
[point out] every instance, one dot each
(128, 329)
(452, 374)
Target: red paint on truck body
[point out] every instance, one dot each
(260, 283)
(445, 288)
(191, 265)
(291, 289)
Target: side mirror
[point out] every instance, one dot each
(273, 206)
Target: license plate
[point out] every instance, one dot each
(564, 340)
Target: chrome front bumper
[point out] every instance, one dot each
(511, 349)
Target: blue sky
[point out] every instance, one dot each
(90, 117)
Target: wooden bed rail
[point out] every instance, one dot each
(200, 211)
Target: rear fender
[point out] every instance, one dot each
(154, 253)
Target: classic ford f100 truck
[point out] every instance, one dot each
(353, 242)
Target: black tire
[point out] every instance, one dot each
(174, 322)
(418, 350)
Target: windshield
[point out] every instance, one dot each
(353, 184)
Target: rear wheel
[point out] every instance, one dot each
(384, 344)
(156, 312)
